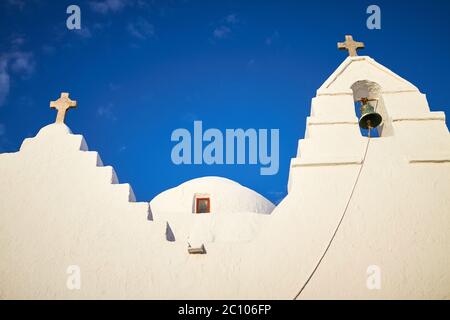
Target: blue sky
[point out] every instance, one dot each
(141, 69)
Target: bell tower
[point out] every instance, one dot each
(391, 104)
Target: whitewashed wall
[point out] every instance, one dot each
(60, 207)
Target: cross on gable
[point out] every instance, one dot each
(350, 45)
(62, 105)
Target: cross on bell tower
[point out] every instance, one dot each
(62, 105)
(350, 45)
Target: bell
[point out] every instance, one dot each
(369, 118)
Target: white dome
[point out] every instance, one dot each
(226, 196)
(236, 212)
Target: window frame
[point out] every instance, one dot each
(197, 202)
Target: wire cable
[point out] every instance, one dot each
(340, 221)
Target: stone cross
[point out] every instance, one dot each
(350, 45)
(62, 105)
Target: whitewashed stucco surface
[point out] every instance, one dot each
(59, 206)
(237, 212)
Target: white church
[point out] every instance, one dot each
(366, 217)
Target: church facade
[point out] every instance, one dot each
(366, 217)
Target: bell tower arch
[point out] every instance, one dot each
(333, 137)
(369, 107)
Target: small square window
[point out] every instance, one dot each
(202, 205)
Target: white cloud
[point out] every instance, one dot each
(221, 32)
(84, 32)
(226, 26)
(106, 112)
(232, 18)
(4, 87)
(18, 41)
(22, 63)
(48, 49)
(107, 6)
(16, 62)
(272, 38)
(17, 3)
(4, 81)
(141, 29)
